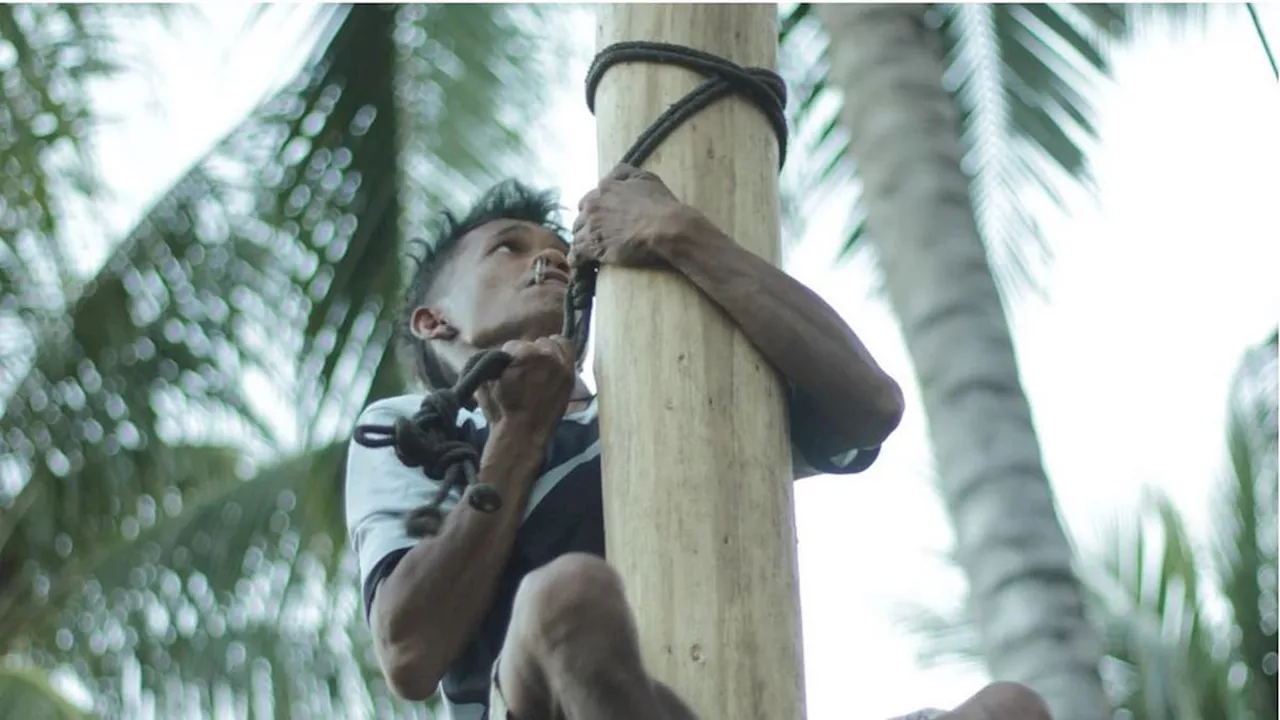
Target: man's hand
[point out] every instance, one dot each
(625, 220)
(533, 393)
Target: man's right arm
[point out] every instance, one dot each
(430, 605)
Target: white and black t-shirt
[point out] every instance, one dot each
(564, 515)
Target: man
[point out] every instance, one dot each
(514, 614)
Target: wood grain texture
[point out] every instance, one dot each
(697, 487)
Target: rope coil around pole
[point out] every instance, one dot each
(430, 439)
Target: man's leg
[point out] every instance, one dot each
(572, 653)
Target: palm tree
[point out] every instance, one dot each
(163, 541)
(1169, 655)
(949, 115)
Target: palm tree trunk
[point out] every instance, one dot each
(904, 135)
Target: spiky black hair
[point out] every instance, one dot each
(508, 200)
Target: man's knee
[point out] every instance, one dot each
(572, 597)
(1009, 701)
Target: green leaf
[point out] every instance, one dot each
(127, 530)
(1247, 523)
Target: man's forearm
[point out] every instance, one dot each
(434, 600)
(802, 336)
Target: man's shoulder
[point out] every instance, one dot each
(395, 405)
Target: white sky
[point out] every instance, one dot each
(1157, 289)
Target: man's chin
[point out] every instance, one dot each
(542, 321)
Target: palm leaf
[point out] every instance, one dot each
(1024, 78)
(241, 573)
(277, 257)
(1160, 644)
(1246, 545)
(50, 55)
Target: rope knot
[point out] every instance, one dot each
(431, 440)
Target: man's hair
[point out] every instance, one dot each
(508, 200)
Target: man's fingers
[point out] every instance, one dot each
(583, 250)
(557, 346)
(564, 346)
(588, 200)
(518, 350)
(622, 171)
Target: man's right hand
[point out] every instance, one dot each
(533, 392)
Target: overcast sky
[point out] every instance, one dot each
(1159, 285)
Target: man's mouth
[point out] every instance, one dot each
(550, 275)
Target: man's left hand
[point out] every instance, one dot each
(626, 220)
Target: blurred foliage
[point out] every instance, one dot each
(29, 694)
(1025, 79)
(1188, 634)
(172, 428)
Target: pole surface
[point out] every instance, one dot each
(697, 482)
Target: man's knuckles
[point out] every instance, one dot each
(589, 201)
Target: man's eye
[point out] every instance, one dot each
(505, 246)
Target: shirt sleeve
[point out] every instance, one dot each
(380, 491)
(806, 459)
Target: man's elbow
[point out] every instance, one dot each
(890, 407)
(411, 671)
(409, 678)
(879, 415)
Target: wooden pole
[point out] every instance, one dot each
(697, 483)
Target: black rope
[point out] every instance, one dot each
(431, 439)
(764, 88)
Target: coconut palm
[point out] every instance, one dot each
(1170, 654)
(951, 117)
(167, 541)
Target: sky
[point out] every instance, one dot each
(1162, 278)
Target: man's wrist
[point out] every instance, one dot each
(518, 441)
(682, 234)
(520, 428)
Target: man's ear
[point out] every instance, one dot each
(431, 324)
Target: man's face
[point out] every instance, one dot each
(486, 293)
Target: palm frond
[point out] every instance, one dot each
(1024, 77)
(278, 259)
(241, 573)
(50, 54)
(1151, 601)
(1246, 543)
(813, 114)
(50, 57)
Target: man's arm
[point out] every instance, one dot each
(832, 373)
(431, 604)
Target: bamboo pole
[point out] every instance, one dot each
(697, 486)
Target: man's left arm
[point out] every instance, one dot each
(841, 401)
(840, 398)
